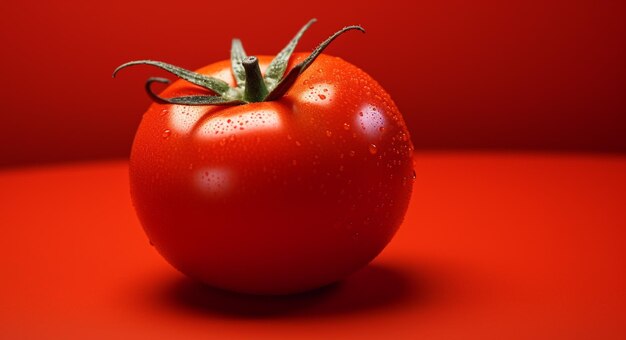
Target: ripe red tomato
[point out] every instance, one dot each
(274, 197)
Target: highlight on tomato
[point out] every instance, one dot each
(270, 174)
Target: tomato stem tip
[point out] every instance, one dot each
(255, 89)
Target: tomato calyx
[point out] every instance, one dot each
(251, 85)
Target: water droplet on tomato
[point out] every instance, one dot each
(298, 143)
(329, 133)
(373, 149)
(166, 133)
(352, 153)
(414, 175)
(164, 112)
(346, 126)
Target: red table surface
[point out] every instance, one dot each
(494, 246)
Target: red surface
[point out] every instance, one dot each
(503, 74)
(494, 246)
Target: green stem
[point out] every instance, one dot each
(255, 90)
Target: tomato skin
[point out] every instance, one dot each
(274, 197)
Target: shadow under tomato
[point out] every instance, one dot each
(373, 287)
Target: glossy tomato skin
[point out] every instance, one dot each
(274, 197)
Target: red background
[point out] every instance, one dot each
(478, 74)
(495, 245)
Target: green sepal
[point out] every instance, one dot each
(216, 85)
(277, 67)
(187, 100)
(287, 82)
(237, 55)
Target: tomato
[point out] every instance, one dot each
(279, 196)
